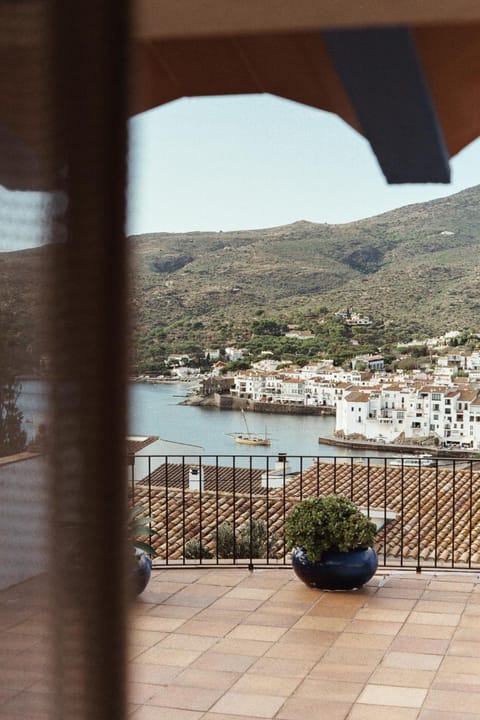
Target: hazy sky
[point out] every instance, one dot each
(253, 161)
(240, 162)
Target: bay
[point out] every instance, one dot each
(156, 409)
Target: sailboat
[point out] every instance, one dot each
(250, 438)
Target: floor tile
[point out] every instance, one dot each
(282, 667)
(302, 708)
(412, 661)
(455, 586)
(382, 615)
(150, 712)
(178, 641)
(258, 706)
(209, 679)
(151, 673)
(168, 656)
(145, 638)
(372, 627)
(381, 712)
(436, 606)
(354, 656)
(453, 701)
(319, 622)
(140, 693)
(265, 616)
(297, 651)
(218, 628)
(420, 645)
(435, 632)
(185, 698)
(260, 684)
(234, 646)
(300, 636)
(457, 664)
(392, 695)
(427, 618)
(256, 632)
(439, 715)
(402, 676)
(329, 690)
(464, 648)
(361, 640)
(325, 670)
(224, 661)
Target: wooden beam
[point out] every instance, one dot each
(156, 19)
(384, 80)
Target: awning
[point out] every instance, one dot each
(406, 75)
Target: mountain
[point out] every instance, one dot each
(415, 268)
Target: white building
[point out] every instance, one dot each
(233, 353)
(393, 413)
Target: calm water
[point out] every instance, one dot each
(155, 410)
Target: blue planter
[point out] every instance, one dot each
(336, 570)
(141, 571)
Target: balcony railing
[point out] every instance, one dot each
(230, 510)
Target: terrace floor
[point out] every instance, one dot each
(226, 644)
(230, 645)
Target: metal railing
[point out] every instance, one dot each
(229, 510)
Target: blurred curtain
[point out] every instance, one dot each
(62, 184)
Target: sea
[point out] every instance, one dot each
(157, 409)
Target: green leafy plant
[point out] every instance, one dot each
(139, 526)
(331, 522)
(251, 539)
(194, 550)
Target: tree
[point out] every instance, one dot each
(12, 435)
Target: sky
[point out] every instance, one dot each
(242, 162)
(253, 161)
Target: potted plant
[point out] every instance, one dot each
(139, 526)
(332, 543)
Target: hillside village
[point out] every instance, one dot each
(436, 405)
(440, 408)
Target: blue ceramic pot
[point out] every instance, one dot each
(336, 570)
(141, 572)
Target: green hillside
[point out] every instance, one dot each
(413, 270)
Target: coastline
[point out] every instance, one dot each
(228, 402)
(390, 447)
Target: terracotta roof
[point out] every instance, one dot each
(136, 444)
(226, 479)
(468, 394)
(357, 396)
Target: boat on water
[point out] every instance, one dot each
(423, 460)
(250, 438)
